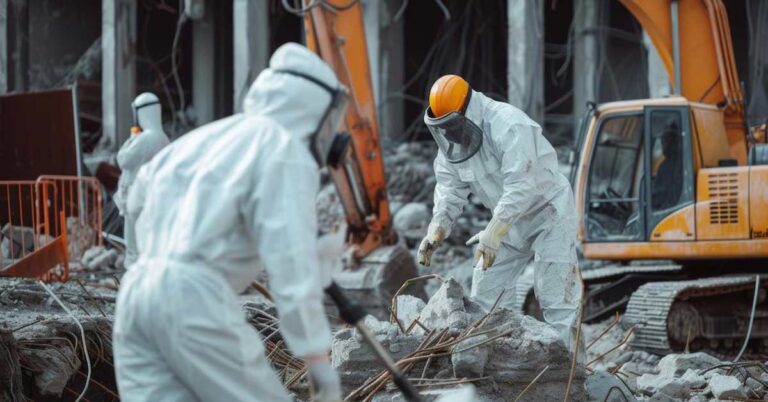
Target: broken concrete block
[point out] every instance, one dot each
(726, 387)
(408, 309)
(448, 308)
(53, 367)
(17, 241)
(604, 386)
(355, 360)
(674, 389)
(647, 384)
(470, 360)
(693, 379)
(99, 258)
(675, 365)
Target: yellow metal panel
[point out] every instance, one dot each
(758, 201)
(679, 226)
(722, 207)
(710, 140)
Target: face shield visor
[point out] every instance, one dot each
(457, 136)
(327, 133)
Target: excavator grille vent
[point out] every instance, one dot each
(724, 196)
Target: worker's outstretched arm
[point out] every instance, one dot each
(451, 195)
(282, 212)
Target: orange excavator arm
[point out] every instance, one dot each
(706, 62)
(334, 30)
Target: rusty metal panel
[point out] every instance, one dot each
(37, 135)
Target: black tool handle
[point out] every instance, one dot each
(406, 388)
(349, 310)
(352, 313)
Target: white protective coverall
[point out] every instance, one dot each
(139, 149)
(515, 174)
(221, 201)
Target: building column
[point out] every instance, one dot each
(525, 56)
(250, 27)
(585, 15)
(389, 69)
(658, 80)
(14, 46)
(203, 82)
(118, 68)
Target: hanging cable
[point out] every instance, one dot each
(751, 319)
(82, 337)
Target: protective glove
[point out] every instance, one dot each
(324, 381)
(435, 236)
(488, 241)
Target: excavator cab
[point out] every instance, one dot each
(639, 173)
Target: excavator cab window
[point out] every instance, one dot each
(670, 162)
(615, 208)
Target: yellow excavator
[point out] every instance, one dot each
(673, 192)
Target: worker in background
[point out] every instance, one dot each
(220, 202)
(146, 140)
(495, 152)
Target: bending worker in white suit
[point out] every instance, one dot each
(494, 151)
(219, 202)
(146, 140)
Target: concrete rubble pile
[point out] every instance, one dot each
(41, 354)
(618, 373)
(450, 341)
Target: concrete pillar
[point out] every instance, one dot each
(203, 61)
(118, 68)
(250, 27)
(525, 56)
(658, 80)
(585, 15)
(390, 70)
(14, 46)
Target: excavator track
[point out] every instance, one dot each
(704, 314)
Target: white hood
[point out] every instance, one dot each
(292, 101)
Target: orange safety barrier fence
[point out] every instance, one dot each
(48, 223)
(79, 198)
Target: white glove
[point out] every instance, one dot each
(488, 241)
(324, 381)
(435, 236)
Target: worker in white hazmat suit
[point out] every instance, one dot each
(495, 152)
(146, 140)
(224, 199)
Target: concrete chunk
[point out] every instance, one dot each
(604, 386)
(726, 387)
(446, 308)
(408, 309)
(675, 365)
(470, 361)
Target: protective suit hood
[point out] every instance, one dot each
(147, 113)
(274, 94)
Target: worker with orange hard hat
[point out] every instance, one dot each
(497, 153)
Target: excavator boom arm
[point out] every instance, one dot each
(335, 31)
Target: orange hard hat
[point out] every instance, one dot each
(448, 94)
